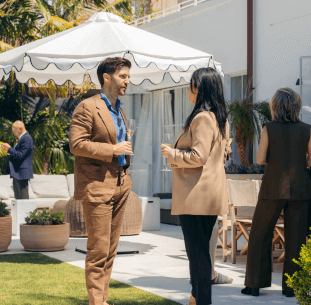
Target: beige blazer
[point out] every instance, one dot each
(91, 137)
(199, 179)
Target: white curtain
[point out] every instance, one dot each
(141, 162)
(157, 137)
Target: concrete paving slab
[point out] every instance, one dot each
(162, 268)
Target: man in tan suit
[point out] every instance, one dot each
(98, 140)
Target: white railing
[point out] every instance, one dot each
(168, 11)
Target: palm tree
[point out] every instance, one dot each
(23, 21)
(245, 118)
(52, 153)
(48, 134)
(18, 20)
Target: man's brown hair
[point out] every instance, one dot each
(110, 65)
(285, 105)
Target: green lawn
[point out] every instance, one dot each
(30, 279)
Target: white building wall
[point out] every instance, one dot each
(282, 34)
(217, 27)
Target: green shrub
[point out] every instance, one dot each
(300, 281)
(44, 218)
(3, 210)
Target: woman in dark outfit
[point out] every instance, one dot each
(284, 145)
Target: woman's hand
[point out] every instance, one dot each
(165, 150)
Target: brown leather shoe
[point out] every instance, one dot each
(192, 301)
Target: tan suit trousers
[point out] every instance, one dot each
(103, 224)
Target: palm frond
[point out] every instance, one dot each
(6, 133)
(5, 47)
(54, 25)
(61, 160)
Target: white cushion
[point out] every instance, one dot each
(48, 202)
(41, 202)
(6, 181)
(166, 204)
(50, 186)
(31, 193)
(4, 193)
(71, 184)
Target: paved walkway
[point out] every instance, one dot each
(161, 268)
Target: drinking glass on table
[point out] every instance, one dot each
(130, 131)
(168, 140)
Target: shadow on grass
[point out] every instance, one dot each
(32, 258)
(33, 298)
(37, 298)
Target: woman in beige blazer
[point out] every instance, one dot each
(199, 180)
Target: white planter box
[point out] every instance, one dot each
(19, 210)
(151, 213)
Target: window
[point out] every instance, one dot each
(238, 88)
(176, 109)
(238, 93)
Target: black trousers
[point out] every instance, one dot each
(20, 188)
(258, 268)
(197, 230)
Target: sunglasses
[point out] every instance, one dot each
(120, 125)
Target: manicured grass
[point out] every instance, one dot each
(31, 279)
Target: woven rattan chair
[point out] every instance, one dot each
(133, 216)
(73, 213)
(61, 206)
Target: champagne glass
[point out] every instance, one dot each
(168, 140)
(130, 131)
(230, 137)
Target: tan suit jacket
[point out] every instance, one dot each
(92, 135)
(199, 179)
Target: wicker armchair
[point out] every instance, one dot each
(133, 216)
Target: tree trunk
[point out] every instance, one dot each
(147, 7)
(46, 162)
(240, 143)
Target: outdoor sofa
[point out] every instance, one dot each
(45, 189)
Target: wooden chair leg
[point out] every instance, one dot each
(281, 257)
(272, 258)
(233, 242)
(225, 238)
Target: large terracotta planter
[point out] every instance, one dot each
(44, 238)
(5, 232)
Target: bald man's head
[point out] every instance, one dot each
(18, 128)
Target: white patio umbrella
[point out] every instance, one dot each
(73, 53)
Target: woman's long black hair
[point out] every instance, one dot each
(210, 97)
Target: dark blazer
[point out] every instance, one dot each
(286, 175)
(20, 159)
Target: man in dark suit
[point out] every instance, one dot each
(20, 160)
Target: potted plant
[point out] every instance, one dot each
(300, 281)
(5, 227)
(44, 231)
